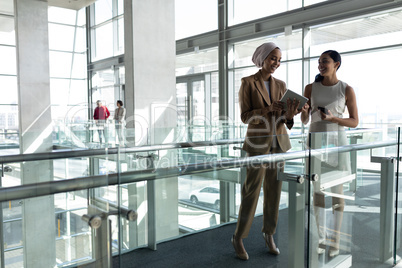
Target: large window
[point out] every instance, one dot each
(241, 11)
(197, 87)
(8, 74)
(108, 86)
(107, 45)
(107, 33)
(195, 17)
(67, 61)
(369, 47)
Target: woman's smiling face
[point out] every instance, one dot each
(272, 61)
(326, 65)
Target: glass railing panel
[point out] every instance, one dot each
(189, 202)
(60, 236)
(73, 235)
(130, 235)
(91, 134)
(175, 213)
(199, 202)
(33, 222)
(397, 235)
(330, 228)
(349, 209)
(9, 139)
(13, 258)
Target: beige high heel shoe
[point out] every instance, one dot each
(269, 241)
(241, 253)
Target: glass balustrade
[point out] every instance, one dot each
(98, 203)
(352, 207)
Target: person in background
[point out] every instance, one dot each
(328, 97)
(101, 114)
(119, 117)
(262, 110)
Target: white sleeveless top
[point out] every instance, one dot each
(330, 97)
(333, 135)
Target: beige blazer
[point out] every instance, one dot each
(119, 115)
(253, 97)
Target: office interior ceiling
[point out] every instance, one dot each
(363, 27)
(7, 10)
(71, 4)
(7, 6)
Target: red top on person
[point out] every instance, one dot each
(101, 112)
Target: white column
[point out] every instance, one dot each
(150, 53)
(35, 127)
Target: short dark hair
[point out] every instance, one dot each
(120, 102)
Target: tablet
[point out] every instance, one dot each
(293, 95)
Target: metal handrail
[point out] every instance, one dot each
(81, 183)
(61, 154)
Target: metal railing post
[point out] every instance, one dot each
(387, 197)
(151, 197)
(296, 226)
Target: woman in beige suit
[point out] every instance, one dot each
(119, 117)
(261, 109)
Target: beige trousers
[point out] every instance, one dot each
(251, 192)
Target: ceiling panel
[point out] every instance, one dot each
(70, 4)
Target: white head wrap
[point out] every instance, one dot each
(261, 53)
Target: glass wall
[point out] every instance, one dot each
(108, 86)
(197, 87)
(362, 42)
(238, 9)
(68, 71)
(194, 17)
(8, 76)
(107, 31)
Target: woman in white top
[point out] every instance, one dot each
(119, 117)
(328, 98)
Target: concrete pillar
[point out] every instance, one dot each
(150, 53)
(35, 127)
